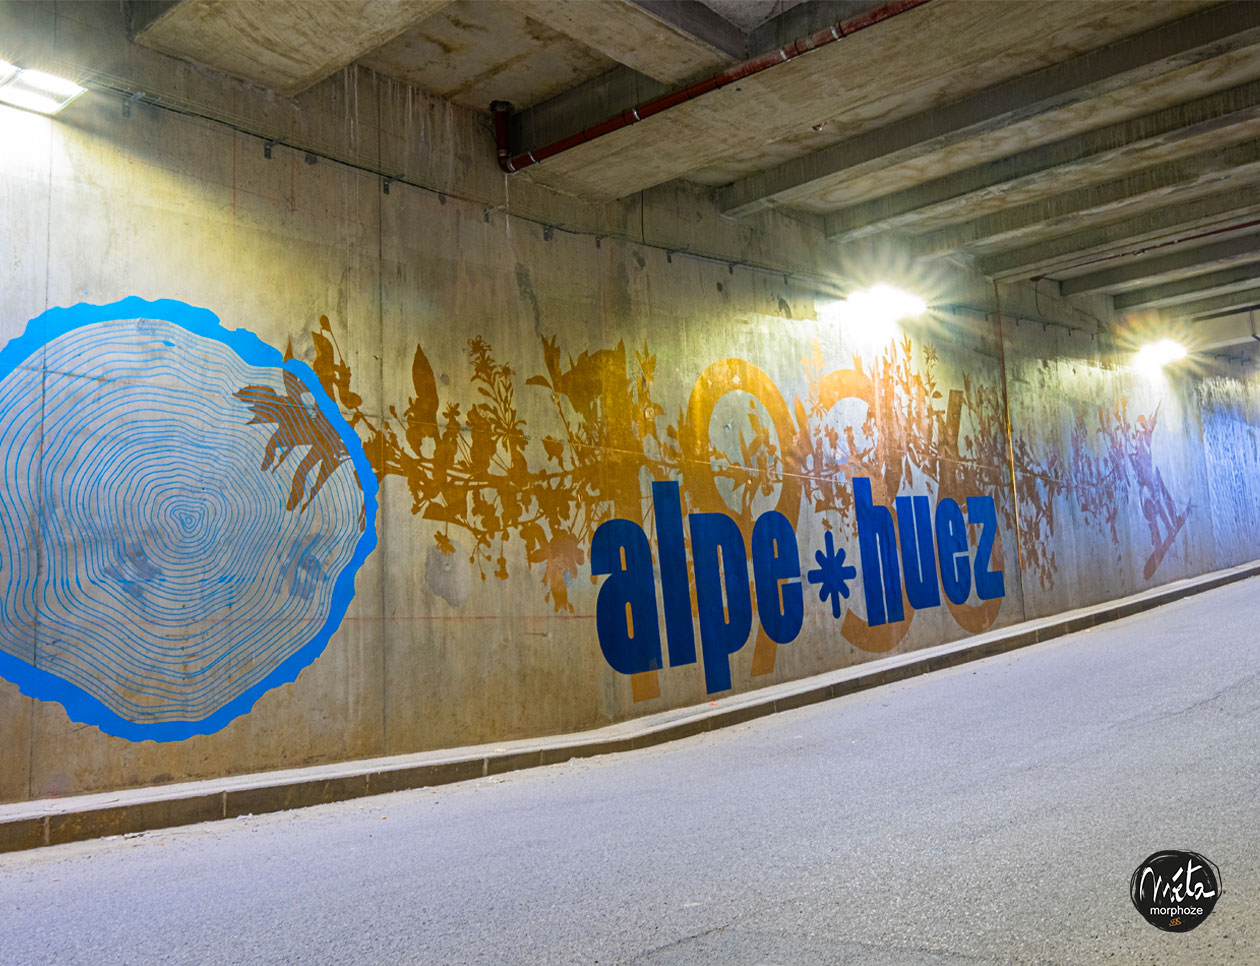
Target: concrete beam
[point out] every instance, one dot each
(639, 36)
(579, 107)
(1224, 331)
(1228, 115)
(1075, 248)
(142, 13)
(1245, 298)
(1077, 209)
(1198, 259)
(803, 20)
(694, 19)
(625, 86)
(1234, 279)
(1193, 39)
(284, 45)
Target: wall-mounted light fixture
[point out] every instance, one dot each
(35, 90)
(872, 314)
(884, 304)
(1156, 355)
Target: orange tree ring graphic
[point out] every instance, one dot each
(973, 618)
(717, 380)
(855, 384)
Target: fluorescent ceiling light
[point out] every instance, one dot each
(1158, 354)
(35, 90)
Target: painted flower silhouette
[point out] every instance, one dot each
(832, 574)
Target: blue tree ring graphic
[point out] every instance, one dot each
(183, 513)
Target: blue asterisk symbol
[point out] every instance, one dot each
(832, 574)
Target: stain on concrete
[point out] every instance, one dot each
(447, 574)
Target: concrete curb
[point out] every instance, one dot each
(27, 825)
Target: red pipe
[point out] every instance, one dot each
(502, 111)
(734, 73)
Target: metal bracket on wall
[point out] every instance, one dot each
(389, 181)
(135, 97)
(269, 145)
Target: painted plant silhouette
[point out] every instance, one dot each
(475, 469)
(469, 467)
(297, 423)
(1103, 468)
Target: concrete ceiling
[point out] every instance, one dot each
(1111, 148)
(475, 52)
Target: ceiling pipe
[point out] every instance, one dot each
(502, 109)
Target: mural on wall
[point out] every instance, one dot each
(185, 508)
(1099, 483)
(182, 515)
(583, 503)
(1231, 447)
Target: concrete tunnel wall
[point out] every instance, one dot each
(187, 511)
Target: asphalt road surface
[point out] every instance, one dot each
(992, 813)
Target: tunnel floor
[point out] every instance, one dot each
(991, 813)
